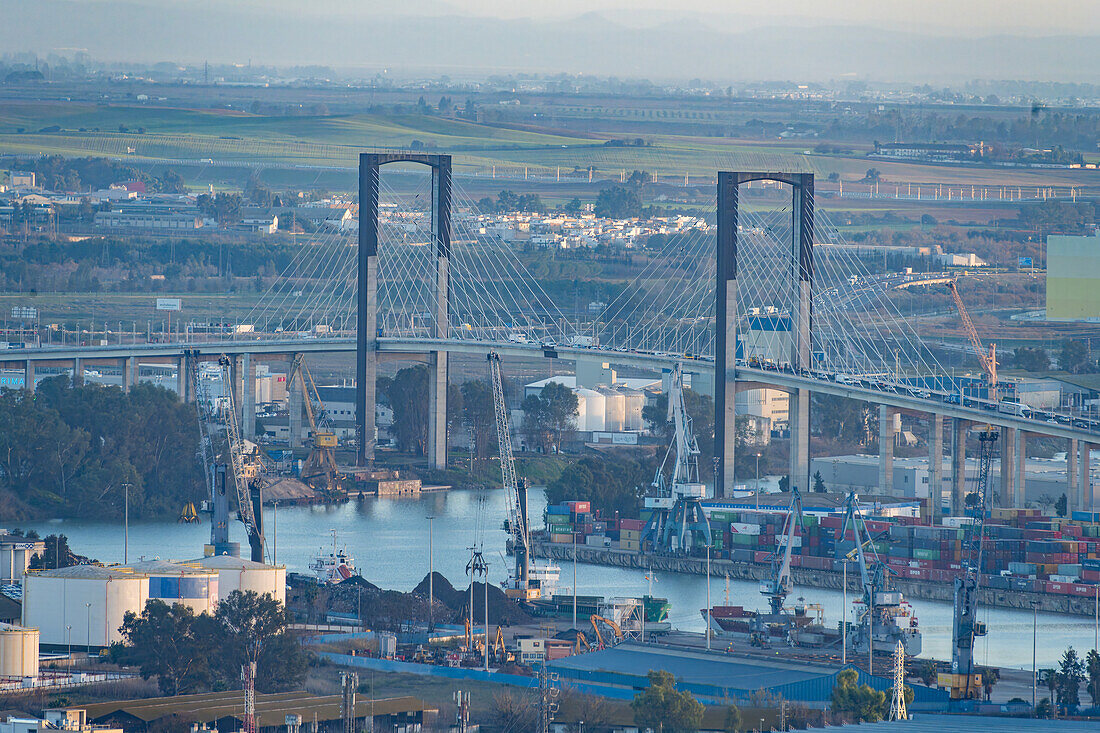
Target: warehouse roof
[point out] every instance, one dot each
(271, 710)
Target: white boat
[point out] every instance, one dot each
(333, 567)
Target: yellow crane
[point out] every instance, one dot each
(319, 470)
(988, 358)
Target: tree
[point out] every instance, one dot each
(479, 416)
(1074, 357)
(732, 722)
(250, 627)
(1092, 670)
(860, 703)
(990, 677)
(407, 396)
(926, 672)
(223, 207)
(819, 483)
(610, 484)
(548, 415)
(662, 707)
(509, 711)
(1061, 506)
(57, 554)
(162, 642)
(1068, 679)
(1032, 359)
(699, 407)
(618, 202)
(575, 206)
(872, 176)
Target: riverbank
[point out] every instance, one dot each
(934, 591)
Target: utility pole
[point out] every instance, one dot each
(431, 574)
(126, 525)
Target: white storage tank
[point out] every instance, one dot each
(188, 584)
(614, 410)
(18, 651)
(82, 605)
(635, 403)
(238, 573)
(590, 413)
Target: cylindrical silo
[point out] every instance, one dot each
(188, 584)
(83, 605)
(614, 409)
(18, 651)
(593, 409)
(635, 403)
(238, 573)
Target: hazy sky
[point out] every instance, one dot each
(962, 17)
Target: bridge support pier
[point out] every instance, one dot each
(1074, 495)
(935, 465)
(1019, 486)
(958, 467)
(1008, 468)
(28, 375)
(886, 449)
(799, 418)
(128, 365)
(1084, 475)
(437, 410)
(78, 372)
(294, 402)
(248, 397)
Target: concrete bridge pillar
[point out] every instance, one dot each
(437, 410)
(128, 366)
(1074, 496)
(1019, 486)
(886, 449)
(799, 418)
(294, 402)
(1008, 468)
(1084, 475)
(935, 465)
(248, 397)
(28, 375)
(78, 372)
(958, 467)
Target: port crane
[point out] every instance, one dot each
(676, 503)
(319, 470)
(528, 579)
(987, 357)
(778, 587)
(596, 620)
(247, 467)
(965, 627)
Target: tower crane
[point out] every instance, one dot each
(319, 470)
(528, 580)
(988, 358)
(677, 502)
(965, 627)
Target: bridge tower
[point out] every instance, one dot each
(366, 352)
(726, 316)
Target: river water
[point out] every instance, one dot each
(388, 539)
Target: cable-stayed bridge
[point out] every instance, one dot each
(769, 297)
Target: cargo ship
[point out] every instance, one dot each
(654, 609)
(333, 567)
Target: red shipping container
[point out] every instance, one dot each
(579, 507)
(1079, 589)
(1090, 575)
(761, 556)
(635, 524)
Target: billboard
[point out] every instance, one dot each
(1025, 262)
(169, 304)
(23, 313)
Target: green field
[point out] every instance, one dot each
(233, 138)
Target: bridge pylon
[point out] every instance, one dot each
(367, 331)
(726, 319)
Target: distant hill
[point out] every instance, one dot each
(432, 36)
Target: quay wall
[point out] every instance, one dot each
(936, 591)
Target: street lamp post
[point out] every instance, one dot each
(431, 573)
(1034, 637)
(88, 648)
(126, 525)
(69, 641)
(757, 492)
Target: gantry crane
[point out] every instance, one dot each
(676, 503)
(965, 627)
(596, 620)
(988, 358)
(319, 470)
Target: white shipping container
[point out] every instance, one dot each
(781, 540)
(744, 528)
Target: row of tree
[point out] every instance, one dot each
(1074, 357)
(188, 652)
(72, 450)
(58, 173)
